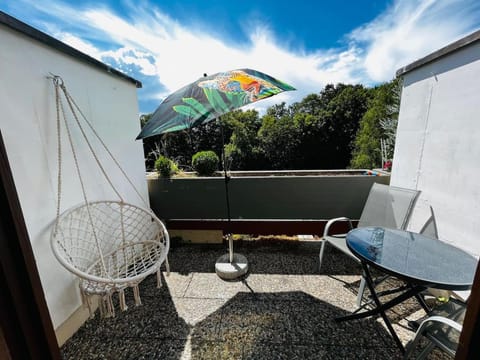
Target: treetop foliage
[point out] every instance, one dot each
(339, 127)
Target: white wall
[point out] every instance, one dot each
(438, 144)
(28, 125)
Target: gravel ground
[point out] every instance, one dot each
(283, 309)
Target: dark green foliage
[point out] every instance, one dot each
(382, 108)
(316, 133)
(343, 114)
(165, 166)
(242, 152)
(149, 144)
(205, 163)
(323, 131)
(279, 140)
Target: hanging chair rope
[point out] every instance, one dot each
(73, 105)
(110, 245)
(59, 84)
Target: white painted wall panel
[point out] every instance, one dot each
(438, 146)
(27, 109)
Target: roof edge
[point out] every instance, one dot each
(42, 37)
(455, 46)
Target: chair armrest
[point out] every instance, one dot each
(332, 221)
(431, 321)
(439, 319)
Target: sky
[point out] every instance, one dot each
(307, 44)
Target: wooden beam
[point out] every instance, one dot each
(24, 316)
(469, 343)
(258, 227)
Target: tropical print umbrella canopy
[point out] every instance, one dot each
(209, 97)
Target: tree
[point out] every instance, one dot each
(327, 123)
(315, 133)
(279, 139)
(319, 132)
(243, 147)
(150, 147)
(382, 108)
(390, 121)
(311, 130)
(343, 112)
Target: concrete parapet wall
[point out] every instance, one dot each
(262, 197)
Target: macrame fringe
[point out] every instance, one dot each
(167, 266)
(136, 295)
(105, 303)
(159, 279)
(101, 307)
(106, 306)
(121, 300)
(86, 301)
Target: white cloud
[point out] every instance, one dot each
(411, 29)
(181, 55)
(81, 45)
(130, 56)
(177, 54)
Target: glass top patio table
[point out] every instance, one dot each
(414, 258)
(420, 261)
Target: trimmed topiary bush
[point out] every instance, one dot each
(165, 166)
(205, 163)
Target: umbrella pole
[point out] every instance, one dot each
(227, 197)
(232, 266)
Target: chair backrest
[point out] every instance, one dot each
(430, 227)
(388, 206)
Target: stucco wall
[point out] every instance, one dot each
(27, 107)
(438, 148)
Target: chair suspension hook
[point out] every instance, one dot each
(57, 80)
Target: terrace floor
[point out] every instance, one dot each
(283, 309)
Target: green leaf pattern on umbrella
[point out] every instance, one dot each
(175, 124)
(237, 99)
(210, 97)
(196, 105)
(216, 100)
(186, 110)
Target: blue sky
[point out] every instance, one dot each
(308, 44)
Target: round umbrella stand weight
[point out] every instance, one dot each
(231, 266)
(231, 270)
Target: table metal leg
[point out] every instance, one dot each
(422, 303)
(380, 294)
(381, 308)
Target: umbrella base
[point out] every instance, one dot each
(230, 271)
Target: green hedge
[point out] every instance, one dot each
(165, 166)
(205, 163)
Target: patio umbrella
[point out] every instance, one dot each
(207, 99)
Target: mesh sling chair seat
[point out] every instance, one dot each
(440, 329)
(386, 206)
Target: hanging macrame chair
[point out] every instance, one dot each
(109, 245)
